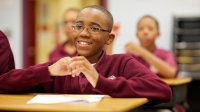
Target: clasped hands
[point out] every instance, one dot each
(74, 66)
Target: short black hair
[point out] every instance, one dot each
(106, 12)
(151, 17)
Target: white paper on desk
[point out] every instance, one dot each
(50, 99)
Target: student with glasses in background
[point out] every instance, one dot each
(66, 48)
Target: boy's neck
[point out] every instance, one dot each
(94, 59)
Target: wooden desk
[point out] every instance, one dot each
(19, 103)
(179, 89)
(178, 81)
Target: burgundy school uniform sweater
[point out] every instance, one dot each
(120, 75)
(6, 56)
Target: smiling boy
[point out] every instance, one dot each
(92, 71)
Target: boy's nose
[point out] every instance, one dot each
(84, 32)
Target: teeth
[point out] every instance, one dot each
(84, 43)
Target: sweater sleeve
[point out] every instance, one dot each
(137, 81)
(7, 60)
(19, 80)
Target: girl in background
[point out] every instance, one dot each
(162, 62)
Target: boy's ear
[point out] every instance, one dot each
(111, 38)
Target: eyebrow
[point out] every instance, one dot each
(91, 23)
(78, 21)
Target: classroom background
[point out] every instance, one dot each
(34, 28)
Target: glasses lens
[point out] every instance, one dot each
(78, 28)
(94, 29)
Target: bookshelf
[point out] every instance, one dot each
(187, 45)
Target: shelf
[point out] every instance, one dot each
(189, 67)
(187, 60)
(188, 53)
(187, 31)
(187, 45)
(194, 75)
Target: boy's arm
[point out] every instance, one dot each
(136, 81)
(7, 60)
(19, 80)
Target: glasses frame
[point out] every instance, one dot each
(89, 29)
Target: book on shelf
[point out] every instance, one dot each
(187, 45)
(194, 75)
(187, 59)
(186, 52)
(189, 67)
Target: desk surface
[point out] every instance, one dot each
(19, 103)
(177, 81)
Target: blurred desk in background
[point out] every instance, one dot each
(179, 89)
(178, 81)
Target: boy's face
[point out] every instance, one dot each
(147, 32)
(87, 42)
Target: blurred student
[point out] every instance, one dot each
(6, 56)
(91, 71)
(162, 62)
(67, 48)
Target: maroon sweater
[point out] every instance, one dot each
(120, 75)
(6, 60)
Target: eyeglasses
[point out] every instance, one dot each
(90, 29)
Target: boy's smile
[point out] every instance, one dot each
(83, 44)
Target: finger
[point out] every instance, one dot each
(77, 72)
(73, 75)
(67, 62)
(85, 69)
(73, 69)
(76, 65)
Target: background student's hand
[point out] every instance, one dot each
(81, 64)
(116, 29)
(133, 48)
(61, 67)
